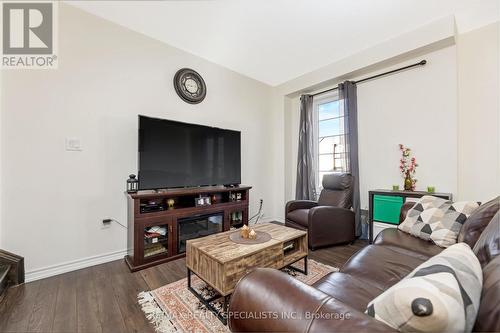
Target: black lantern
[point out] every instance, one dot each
(132, 184)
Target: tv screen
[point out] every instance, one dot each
(175, 154)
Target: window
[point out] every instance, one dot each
(330, 149)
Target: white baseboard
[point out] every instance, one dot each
(45, 272)
(278, 219)
(73, 265)
(269, 219)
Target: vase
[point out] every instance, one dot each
(408, 182)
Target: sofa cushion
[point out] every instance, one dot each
(437, 219)
(488, 245)
(351, 290)
(489, 311)
(478, 221)
(440, 295)
(405, 243)
(381, 266)
(299, 216)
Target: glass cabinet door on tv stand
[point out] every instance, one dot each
(155, 240)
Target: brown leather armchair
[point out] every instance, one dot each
(330, 220)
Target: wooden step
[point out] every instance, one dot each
(16, 264)
(4, 279)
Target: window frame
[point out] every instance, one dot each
(317, 101)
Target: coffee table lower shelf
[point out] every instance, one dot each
(208, 302)
(225, 302)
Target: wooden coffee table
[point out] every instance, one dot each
(221, 263)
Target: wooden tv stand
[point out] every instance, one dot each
(157, 231)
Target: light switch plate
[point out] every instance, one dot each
(73, 144)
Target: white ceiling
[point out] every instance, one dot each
(274, 41)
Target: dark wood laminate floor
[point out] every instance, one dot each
(103, 298)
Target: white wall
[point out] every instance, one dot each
(479, 128)
(417, 108)
(278, 156)
(54, 200)
(412, 108)
(292, 121)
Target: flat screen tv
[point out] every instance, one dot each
(176, 154)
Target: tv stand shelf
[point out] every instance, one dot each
(159, 222)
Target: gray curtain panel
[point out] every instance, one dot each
(306, 180)
(347, 96)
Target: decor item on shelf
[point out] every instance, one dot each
(214, 198)
(190, 86)
(408, 185)
(289, 246)
(157, 229)
(151, 206)
(170, 203)
(252, 234)
(407, 166)
(395, 187)
(244, 231)
(431, 189)
(132, 184)
(202, 201)
(155, 249)
(238, 196)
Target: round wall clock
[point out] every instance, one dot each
(190, 86)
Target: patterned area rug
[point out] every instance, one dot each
(173, 308)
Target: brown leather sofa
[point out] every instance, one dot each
(330, 220)
(265, 297)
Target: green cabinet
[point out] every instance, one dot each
(386, 208)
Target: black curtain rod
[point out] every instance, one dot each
(421, 63)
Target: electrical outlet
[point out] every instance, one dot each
(106, 223)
